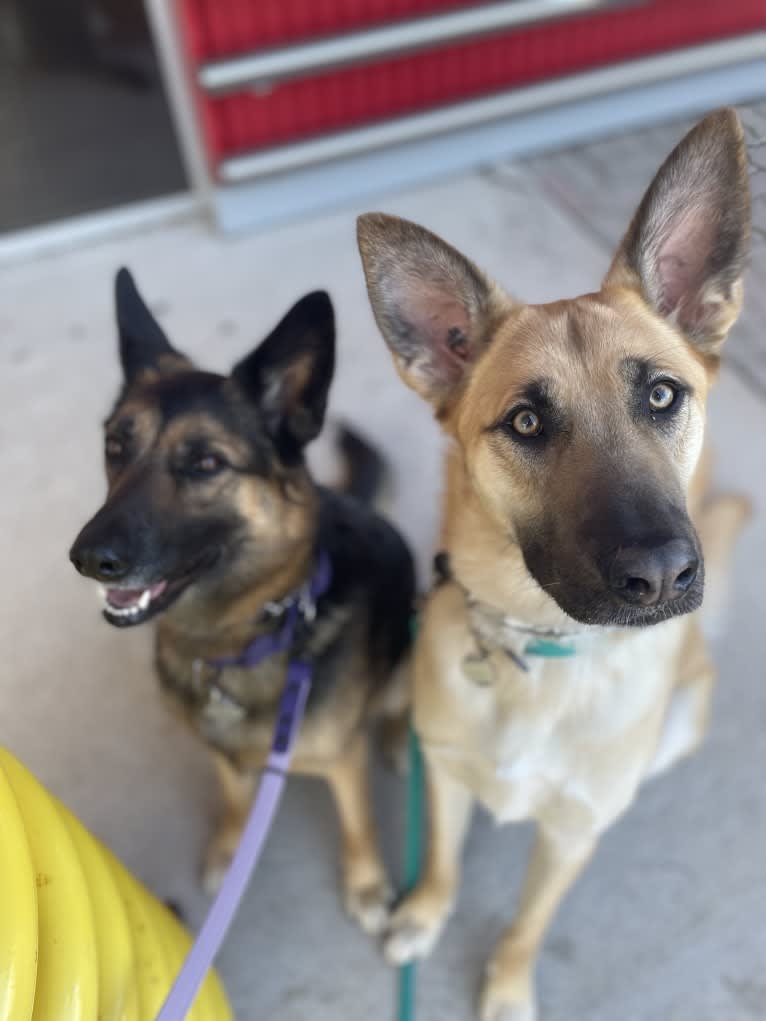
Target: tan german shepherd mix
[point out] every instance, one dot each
(558, 663)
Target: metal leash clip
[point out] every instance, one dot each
(307, 604)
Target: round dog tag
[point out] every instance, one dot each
(477, 667)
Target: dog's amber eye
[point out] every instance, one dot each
(527, 423)
(661, 396)
(114, 448)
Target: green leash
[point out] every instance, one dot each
(413, 847)
(413, 851)
(413, 838)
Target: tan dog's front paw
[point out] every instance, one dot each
(415, 927)
(370, 904)
(505, 998)
(510, 1012)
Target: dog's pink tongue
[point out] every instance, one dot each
(122, 598)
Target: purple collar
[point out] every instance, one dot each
(299, 607)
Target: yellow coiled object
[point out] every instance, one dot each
(80, 938)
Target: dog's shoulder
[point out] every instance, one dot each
(365, 549)
(372, 566)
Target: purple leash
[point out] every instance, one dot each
(289, 716)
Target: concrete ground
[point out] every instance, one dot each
(668, 922)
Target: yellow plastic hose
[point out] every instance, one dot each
(80, 938)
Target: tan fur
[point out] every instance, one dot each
(569, 743)
(167, 364)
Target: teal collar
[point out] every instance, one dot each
(491, 628)
(549, 648)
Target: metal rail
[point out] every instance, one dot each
(268, 67)
(647, 71)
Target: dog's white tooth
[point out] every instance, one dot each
(122, 611)
(145, 599)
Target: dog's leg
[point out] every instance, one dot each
(418, 921)
(688, 713)
(238, 789)
(508, 993)
(719, 525)
(393, 713)
(367, 891)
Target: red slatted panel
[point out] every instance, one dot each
(355, 96)
(236, 26)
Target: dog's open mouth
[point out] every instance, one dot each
(126, 606)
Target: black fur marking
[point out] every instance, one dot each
(366, 466)
(142, 339)
(572, 563)
(289, 374)
(372, 571)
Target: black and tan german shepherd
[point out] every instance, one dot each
(212, 523)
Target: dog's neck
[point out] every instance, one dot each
(487, 561)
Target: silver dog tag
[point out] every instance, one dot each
(221, 709)
(478, 668)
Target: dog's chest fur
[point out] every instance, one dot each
(529, 741)
(234, 709)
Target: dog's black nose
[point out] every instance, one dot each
(650, 576)
(104, 563)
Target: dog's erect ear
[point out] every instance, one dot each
(687, 245)
(435, 309)
(289, 374)
(143, 343)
